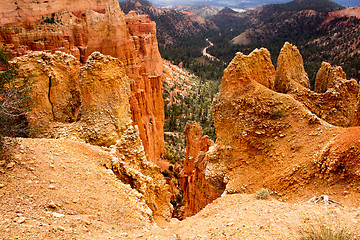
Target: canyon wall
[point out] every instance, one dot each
(18, 11)
(82, 27)
(293, 143)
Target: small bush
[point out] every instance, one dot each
(323, 231)
(263, 194)
(166, 173)
(14, 102)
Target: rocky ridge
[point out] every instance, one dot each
(60, 189)
(202, 10)
(279, 141)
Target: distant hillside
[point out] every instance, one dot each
(233, 23)
(298, 5)
(173, 27)
(315, 27)
(202, 10)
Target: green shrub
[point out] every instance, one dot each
(14, 102)
(263, 194)
(166, 173)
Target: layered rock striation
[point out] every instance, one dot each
(14, 12)
(292, 142)
(84, 27)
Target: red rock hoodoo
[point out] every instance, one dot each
(197, 192)
(82, 27)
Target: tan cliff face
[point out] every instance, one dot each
(104, 113)
(82, 27)
(93, 100)
(283, 142)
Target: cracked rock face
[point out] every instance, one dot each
(56, 89)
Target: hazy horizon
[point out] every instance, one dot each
(238, 3)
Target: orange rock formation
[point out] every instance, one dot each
(14, 12)
(92, 103)
(197, 192)
(56, 88)
(335, 97)
(68, 95)
(283, 142)
(82, 27)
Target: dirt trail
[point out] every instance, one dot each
(205, 54)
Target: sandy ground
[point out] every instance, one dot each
(241, 216)
(60, 189)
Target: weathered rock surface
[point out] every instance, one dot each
(341, 156)
(197, 191)
(56, 89)
(13, 12)
(327, 77)
(131, 167)
(84, 27)
(335, 97)
(275, 140)
(104, 114)
(290, 69)
(89, 102)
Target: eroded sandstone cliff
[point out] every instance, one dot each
(286, 142)
(82, 27)
(92, 103)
